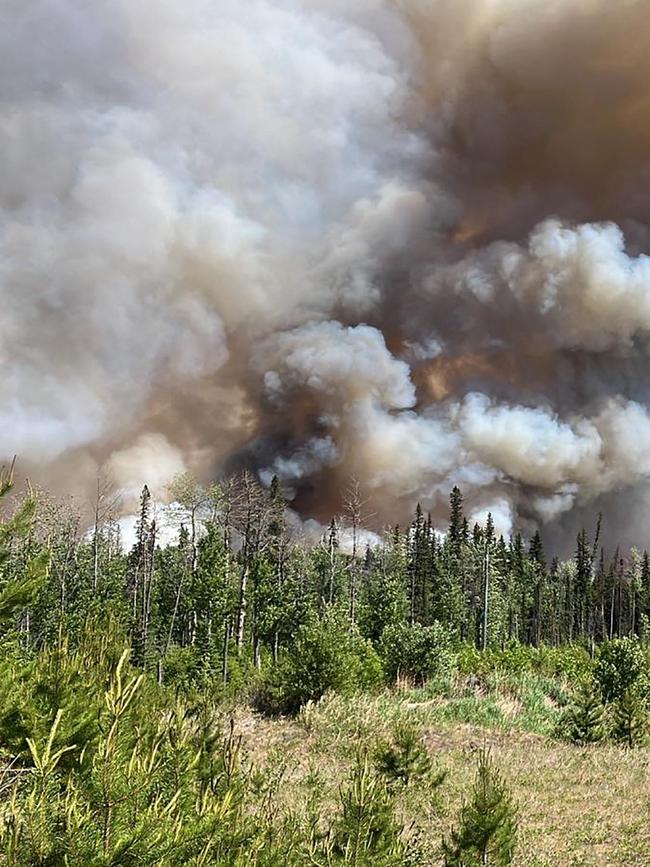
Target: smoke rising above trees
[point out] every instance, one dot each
(399, 241)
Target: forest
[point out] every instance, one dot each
(238, 696)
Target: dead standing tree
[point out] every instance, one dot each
(250, 518)
(223, 510)
(354, 510)
(278, 544)
(105, 507)
(61, 532)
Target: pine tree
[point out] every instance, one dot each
(19, 591)
(536, 550)
(404, 759)
(630, 719)
(141, 577)
(332, 549)
(584, 721)
(383, 601)
(582, 585)
(644, 596)
(367, 831)
(452, 592)
(487, 830)
(418, 568)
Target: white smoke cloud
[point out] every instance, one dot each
(500, 511)
(175, 183)
(350, 365)
(529, 445)
(580, 278)
(150, 461)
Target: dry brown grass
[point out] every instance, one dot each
(577, 806)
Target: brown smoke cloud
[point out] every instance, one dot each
(395, 239)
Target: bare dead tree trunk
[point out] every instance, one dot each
(332, 552)
(226, 642)
(96, 539)
(106, 501)
(486, 595)
(252, 529)
(354, 511)
(241, 608)
(147, 588)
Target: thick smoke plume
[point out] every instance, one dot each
(400, 240)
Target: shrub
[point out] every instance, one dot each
(620, 666)
(367, 831)
(182, 666)
(570, 661)
(33, 692)
(326, 655)
(404, 759)
(630, 719)
(418, 652)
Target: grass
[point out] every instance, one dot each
(577, 806)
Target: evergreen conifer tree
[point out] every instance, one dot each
(630, 718)
(367, 831)
(584, 721)
(457, 530)
(487, 830)
(18, 591)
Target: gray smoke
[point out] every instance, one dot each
(392, 239)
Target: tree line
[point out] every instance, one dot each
(238, 584)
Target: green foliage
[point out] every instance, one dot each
(630, 718)
(569, 661)
(584, 720)
(154, 789)
(327, 655)
(117, 670)
(620, 666)
(417, 652)
(383, 601)
(367, 832)
(58, 683)
(487, 827)
(18, 590)
(613, 703)
(151, 780)
(183, 667)
(403, 759)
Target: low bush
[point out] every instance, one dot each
(571, 661)
(326, 655)
(403, 759)
(621, 666)
(417, 652)
(584, 721)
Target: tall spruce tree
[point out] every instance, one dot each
(457, 529)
